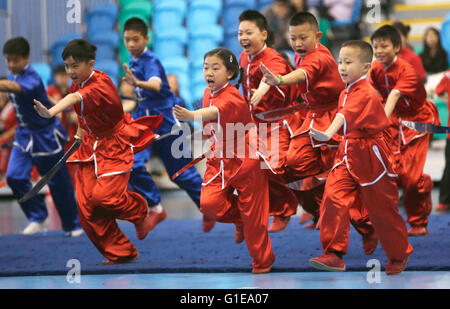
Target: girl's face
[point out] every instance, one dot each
(251, 38)
(215, 73)
(431, 38)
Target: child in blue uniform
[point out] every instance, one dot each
(154, 97)
(37, 141)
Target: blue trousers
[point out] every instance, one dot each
(61, 188)
(190, 181)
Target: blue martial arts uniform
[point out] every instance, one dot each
(146, 67)
(39, 141)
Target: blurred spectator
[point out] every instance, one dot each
(300, 5)
(278, 15)
(56, 92)
(406, 53)
(339, 10)
(434, 57)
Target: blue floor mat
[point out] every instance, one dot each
(180, 246)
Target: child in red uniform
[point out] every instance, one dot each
(110, 138)
(223, 106)
(361, 169)
(444, 189)
(319, 82)
(252, 36)
(404, 97)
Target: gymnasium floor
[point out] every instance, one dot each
(178, 205)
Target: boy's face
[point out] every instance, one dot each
(16, 63)
(62, 80)
(78, 71)
(135, 42)
(251, 38)
(350, 66)
(384, 50)
(303, 38)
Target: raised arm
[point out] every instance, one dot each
(64, 103)
(203, 114)
(154, 84)
(271, 79)
(9, 86)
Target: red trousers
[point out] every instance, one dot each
(102, 201)
(303, 160)
(417, 186)
(250, 208)
(283, 201)
(380, 201)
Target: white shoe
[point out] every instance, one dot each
(33, 228)
(75, 233)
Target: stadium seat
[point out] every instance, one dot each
(203, 40)
(124, 3)
(44, 70)
(107, 44)
(58, 46)
(170, 43)
(169, 14)
(140, 9)
(231, 11)
(110, 67)
(203, 12)
(445, 34)
(231, 42)
(102, 18)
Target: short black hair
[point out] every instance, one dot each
(256, 17)
(59, 69)
(136, 24)
(17, 46)
(404, 29)
(79, 50)
(301, 18)
(388, 32)
(366, 51)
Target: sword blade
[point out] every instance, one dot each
(425, 127)
(44, 180)
(280, 113)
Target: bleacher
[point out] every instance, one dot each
(181, 31)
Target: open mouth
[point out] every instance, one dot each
(210, 82)
(246, 45)
(300, 51)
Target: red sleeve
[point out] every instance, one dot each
(312, 67)
(407, 81)
(444, 84)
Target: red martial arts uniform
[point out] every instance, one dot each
(362, 169)
(321, 89)
(8, 121)
(410, 147)
(282, 200)
(227, 171)
(414, 60)
(104, 161)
